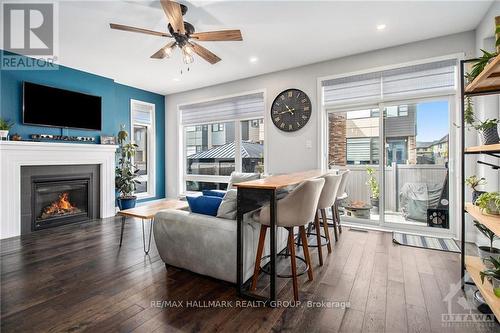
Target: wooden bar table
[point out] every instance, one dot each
(252, 195)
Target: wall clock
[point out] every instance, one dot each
(291, 110)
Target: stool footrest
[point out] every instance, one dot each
(311, 243)
(265, 269)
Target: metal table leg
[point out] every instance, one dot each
(123, 227)
(273, 225)
(143, 237)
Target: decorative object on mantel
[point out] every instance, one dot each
(473, 182)
(50, 137)
(16, 137)
(488, 128)
(108, 140)
(489, 203)
(126, 171)
(493, 275)
(5, 127)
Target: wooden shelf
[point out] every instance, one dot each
(492, 222)
(484, 149)
(474, 265)
(488, 80)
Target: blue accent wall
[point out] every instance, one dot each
(115, 106)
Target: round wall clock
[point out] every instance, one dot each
(291, 110)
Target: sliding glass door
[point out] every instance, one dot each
(398, 161)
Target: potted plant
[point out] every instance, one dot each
(126, 171)
(489, 202)
(479, 66)
(493, 274)
(473, 182)
(488, 128)
(374, 189)
(5, 127)
(487, 251)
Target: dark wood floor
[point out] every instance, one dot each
(76, 278)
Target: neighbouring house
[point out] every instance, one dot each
(435, 152)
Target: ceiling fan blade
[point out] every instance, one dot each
(163, 52)
(174, 15)
(221, 35)
(134, 29)
(204, 53)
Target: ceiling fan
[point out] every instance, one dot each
(184, 35)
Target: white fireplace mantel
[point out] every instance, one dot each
(14, 154)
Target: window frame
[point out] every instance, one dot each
(238, 160)
(151, 147)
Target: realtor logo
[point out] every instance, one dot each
(29, 29)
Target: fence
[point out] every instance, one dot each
(395, 177)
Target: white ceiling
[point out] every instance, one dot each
(282, 34)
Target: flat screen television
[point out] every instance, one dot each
(48, 106)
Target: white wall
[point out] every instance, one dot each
(288, 151)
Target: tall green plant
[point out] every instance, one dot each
(471, 119)
(126, 172)
(492, 273)
(479, 66)
(373, 183)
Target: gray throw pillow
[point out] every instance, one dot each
(227, 208)
(240, 177)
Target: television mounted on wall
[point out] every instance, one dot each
(54, 107)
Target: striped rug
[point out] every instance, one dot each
(434, 243)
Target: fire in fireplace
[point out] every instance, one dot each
(60, 207)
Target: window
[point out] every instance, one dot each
(221, 136)
(143, 135)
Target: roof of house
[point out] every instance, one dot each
(227, 151)
(430, 144)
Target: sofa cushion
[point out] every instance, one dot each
(240, 177)
(206, 205)
(227, 209)
(214, 193)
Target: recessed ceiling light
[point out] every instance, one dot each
(253, 60)
(176, 79)
(381, 27)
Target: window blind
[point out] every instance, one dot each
(405, 82)
(225, 109)
(142, 112)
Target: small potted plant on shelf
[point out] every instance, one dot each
(487, 251)
(5, 127)
(493, 274)
(374, 189)
(126, 171)
(488, 128)
(474, 182)
(489, 202)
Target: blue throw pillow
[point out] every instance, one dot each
(214, 193)
(206, 205)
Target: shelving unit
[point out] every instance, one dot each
(486, 83)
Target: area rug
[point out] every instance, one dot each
(433, 243)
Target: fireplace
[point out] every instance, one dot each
(60, 200)
(57, 195)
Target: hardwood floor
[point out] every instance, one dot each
(76, 278)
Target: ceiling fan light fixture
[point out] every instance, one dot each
(168, 51)
(186, 57)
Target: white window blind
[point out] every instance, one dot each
(225, 109)
(406, 82)
(142, 112)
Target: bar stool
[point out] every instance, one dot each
(295, 210)
(341, 196)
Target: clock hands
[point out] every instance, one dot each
(288, 110)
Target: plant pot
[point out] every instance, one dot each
(484, 252)
(126, 202)
(4, 134)
(490, 136)
(475, 195)
(491, 208)
(496, 286)
(374, 202)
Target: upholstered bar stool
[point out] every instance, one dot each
(294, 210)
(341, 196)
(326, 200)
